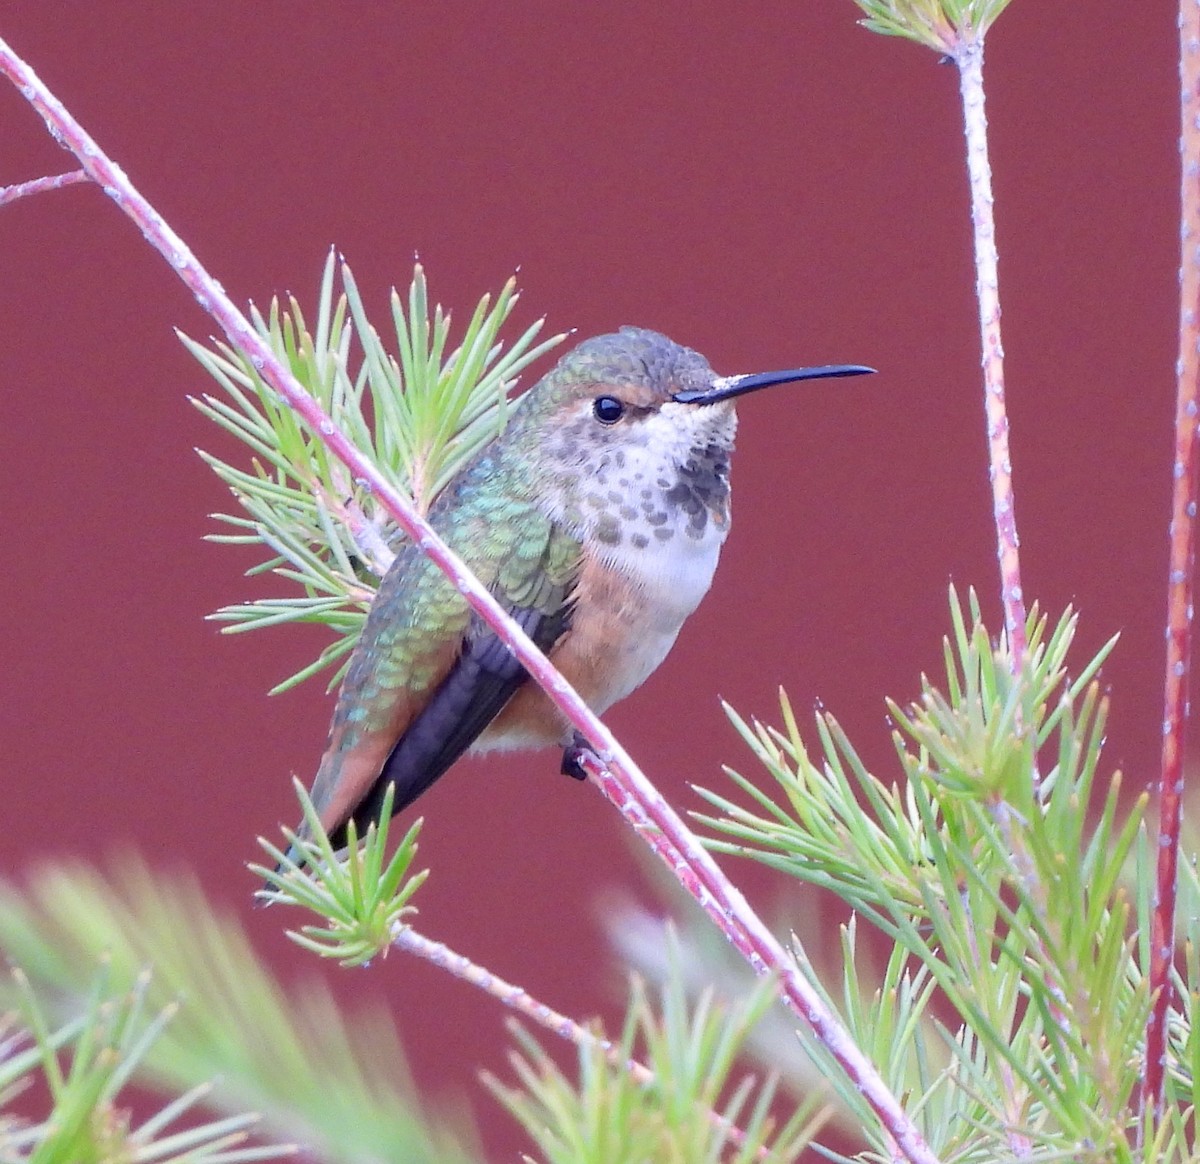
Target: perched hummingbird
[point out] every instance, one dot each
(596, 518)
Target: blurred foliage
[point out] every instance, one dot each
(335, 1083)
(104, 1046)
(687, 1109)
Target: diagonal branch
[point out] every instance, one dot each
(621, 779)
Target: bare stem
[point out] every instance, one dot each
(40, 186)
(968, 55)
(1182, 554)
(514, 997)
(519, 999)
(621, 779)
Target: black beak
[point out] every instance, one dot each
(726, 387)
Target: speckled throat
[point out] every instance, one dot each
(668, 479)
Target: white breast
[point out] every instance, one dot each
(667, 584)
(673, 576)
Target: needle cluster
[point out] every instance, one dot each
(418, 412)
(602, 1113)
(84, 1063)
(941, 25)
(360, 897)
(1012, 1008)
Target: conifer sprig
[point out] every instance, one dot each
(1008, 905)
(360, 898)
(418, 413)
(608, 1115)
(103, 1047)
(937, 24)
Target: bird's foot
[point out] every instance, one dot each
(574, 757)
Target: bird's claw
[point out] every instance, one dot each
(574, 757)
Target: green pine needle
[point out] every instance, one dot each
(608, 1115)
(997, 867)
(419, 414)
(361, 899)
(939, 24)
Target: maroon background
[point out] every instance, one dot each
(772, 188)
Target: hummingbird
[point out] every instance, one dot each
(596, 518)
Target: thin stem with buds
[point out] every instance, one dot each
(41, 186)
(622, 780)
(968, 55)
(1182, 555)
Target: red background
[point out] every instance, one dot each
(769, 184)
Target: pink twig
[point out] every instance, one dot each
(1179, 577)
(519, 999)
(622, 780)
(968, 55)
(514, 997)
(40, 186)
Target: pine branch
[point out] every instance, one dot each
(679, 1108)
(623, 781)
(419, 417)
(365, 901)
(1005, 906)
(968, 55)
(588, 1042)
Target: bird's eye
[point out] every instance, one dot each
(608, 409)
